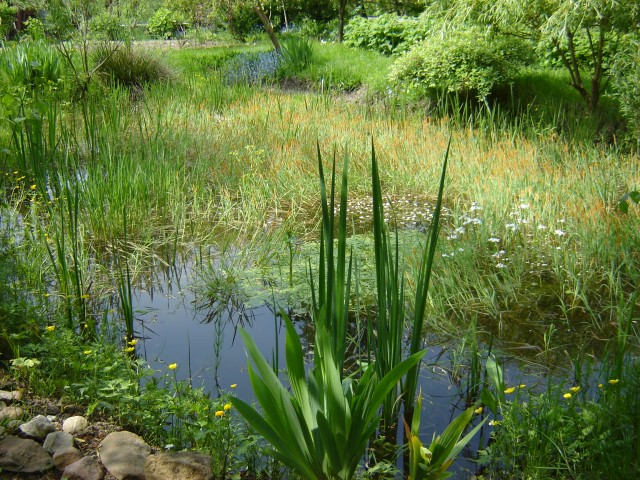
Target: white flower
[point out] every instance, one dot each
(494, 240)
(525, 206)
(501, 265)
(560, 233)
(542, 227)
(512, 226)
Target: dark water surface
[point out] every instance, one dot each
(206, 345)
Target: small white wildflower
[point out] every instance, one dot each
(445, 255)
(475, 206)
(476, 221)
(561, 220)
(460, 230)
(461, 250)
(453, 236)
(542, 227)
(560, 233)
(501, 265)
(494, 240)
(511, 226)
(525, 206)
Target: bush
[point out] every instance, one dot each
(107, 26)
(388, 34)
(166, 23)
(466, 62)
(7, 16)
(130, 68)
(626, 82)
(253, 67)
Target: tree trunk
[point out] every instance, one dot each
(268, 27)
(342, 7)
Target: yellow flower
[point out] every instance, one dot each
(88, 352)
(129, 349)
(33, 187)
(85, 296)
(234, 385)
(227, 406)
(493, 423)
(173, 366)
(51, 328)
(219, 413)
(575, 389)
(613, 381)
(567, 395)
(600, 385)
(522, 385)
(478, 410)
(510, 390)
(132, 342)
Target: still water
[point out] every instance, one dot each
(204, 341)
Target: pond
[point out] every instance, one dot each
(175, 327)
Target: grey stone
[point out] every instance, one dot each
(13, 396)
(38, 427)
(123, 455)
(23, 455)
(178, 466)
(56, 441)
(65, 457)
(11, 413)
(75, 424)
(87, 468)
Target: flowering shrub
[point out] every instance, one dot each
(254, 68)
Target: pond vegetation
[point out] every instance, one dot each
(526, 249)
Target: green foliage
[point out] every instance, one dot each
(298, 53)
(166, 23)
(432, 463)
(130, 67)
(34, 29)
(387, 33)
(322, 426)
(585, 431)
(33, 66)
(465, 62)
(107, 26)
(626, 82)
(7, 17)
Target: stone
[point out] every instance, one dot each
(75, 424)
(56, 441)
(123, 454)
(87, 468)
(13, 396)
(3, 432)
(23, 455)
(178, 466)
(38, 427)
(66, 456)
(11, 413)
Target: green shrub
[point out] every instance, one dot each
(626, 81)
(107, 26)
(7, 16)
(165, 23)
(466, 62)
(388, 34)
(129, 67)
(34, 29)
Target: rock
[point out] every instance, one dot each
(86, 468)
(66, 456)
(123, 454)
(3, 432)
(23, 455)
(6, 396)
(56, 441)
(11, 413)
(38, 427)
(178, 466)
(75, 424)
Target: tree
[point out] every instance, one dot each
(582, 34)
